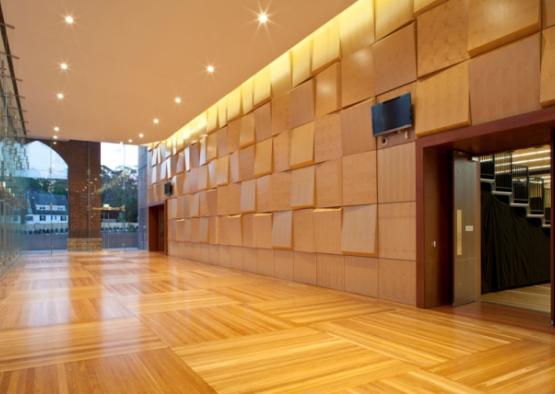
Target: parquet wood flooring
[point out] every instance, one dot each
(138, 322)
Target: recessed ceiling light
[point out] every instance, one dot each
(141, 135)
(130, 140)
(263, 18)
(60, 96)
(156, 121)
(177, 100)
(55, 137)
(210, 69)
(64, 66)
(69, 19)
(56, 129)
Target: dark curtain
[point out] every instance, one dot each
(515, 252)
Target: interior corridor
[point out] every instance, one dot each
(136, 322)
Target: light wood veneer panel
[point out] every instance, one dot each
(301, 151)
(282, 230)
(222, 142)
(302, 104)
(424, 5)
(247, 135)
(443, 100)
(246, 163)
(303, 185)
(283, 264)
(396, 173)
(356, 129)
(233, 135)
(361, 275)
(395, 60)
(280, 188)
(397, 280)
(359, 230)
(303, 230)
(391, 15)
(280, 70)
(264, 194)
(325, 45)
(357, 77)
(222, 170)
(212, 147)
(248, 196)
(329, 184)
(263, 158)
(265, 262)
(281, 147)
(262, 223)
(247, 227)
(328, 90)
(359, 179)
(280, 113)
(301, 61)
(327, 138)
(327, 230)
(506, 81)
(397, 231)
(548, 13)
(304, 270)
(492, 23)
(331, 271)
(442, 36)
(234, 175)
(547, 88)
(356, 26)
(263, 122)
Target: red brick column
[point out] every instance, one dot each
(84, 182)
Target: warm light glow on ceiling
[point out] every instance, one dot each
(56, 129)
(156, 121)
(130, 140)
(69, 19)
(141, 135)
(60, 96)
(177, 100)
(210, 69)
(64, 66)
(263, 18)
(55, 137)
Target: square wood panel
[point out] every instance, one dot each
(442, 36)
(328, 90)
(421, 6)
(281, 151)
(283, 264)
(212, 147)
(357, 77)
(301, 151)
(247, 227)
(397, 280)
(246, 163)
(282, 230)
(222, 170)
(443, 100)
(506, 81)
(262, 224)
(359, 179)
(395, 60)
(301, 61)
(360, 230)
(247, 135)
(329, 184)
(547, 89)
(303, 185)
(548, 13)
(492, 23)
(221, 136)
(280, 70)
(325, 45)
(397, 231)
(361, 275)
(280, 113)
(391, 15)
(303, 230)
(331, 271)
(356, 26)
(233, 135)
(263, 122)
(302, 104)
(234, 175)
(264, 194)
(263, 158)
(265, 262)
(327, 138)
(304, 270)
(356, 129)
(280, 188)
(327, 230)
(248, 196)
(396, 173)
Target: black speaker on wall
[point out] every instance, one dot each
(168, 189)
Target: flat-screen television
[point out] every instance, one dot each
(168, 189)
(392, 115)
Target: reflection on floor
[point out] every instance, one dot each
(144, 323)
(536, 298)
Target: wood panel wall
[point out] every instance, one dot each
(283, 176)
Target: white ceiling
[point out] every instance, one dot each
(129, 58)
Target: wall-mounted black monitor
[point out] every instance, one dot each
(168, 189)
(392, 115)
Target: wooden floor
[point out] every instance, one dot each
(536, 298)
(144, 323)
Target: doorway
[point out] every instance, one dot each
(157, 228)
(436, 216)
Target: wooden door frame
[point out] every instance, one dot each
(433, 192)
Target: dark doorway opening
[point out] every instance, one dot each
(157, 228)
